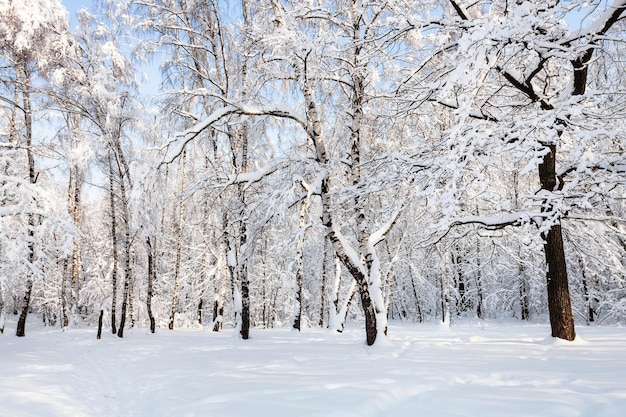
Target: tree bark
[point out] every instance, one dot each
(559, 304)
(337, 314)
(114, 247)
(223, 271)
(418, 308)
(2, 318)
(523, 293)
(297, 322)
(99, 335)
(179, 243)
(479, 281)
(74, 282)
(127, 245)
(324, 280)
(28, 124)
(151, 275)
(65, 321)
(21, 322)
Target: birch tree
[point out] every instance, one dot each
(34, 39)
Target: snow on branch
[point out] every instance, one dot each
(174, 148)
(495, 222)
(349, 253)
(378, 235)
(460, 10)
(250, 178)
(382, 231)
(604, 22)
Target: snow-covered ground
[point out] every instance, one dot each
(472, 369)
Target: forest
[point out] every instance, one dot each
(312, 163)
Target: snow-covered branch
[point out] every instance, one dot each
(174, 148)
(603, 23)
(350, 256)
(499, 221)
(250, 178)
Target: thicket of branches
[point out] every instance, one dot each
(311, 162)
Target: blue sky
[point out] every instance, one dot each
(149, 86)
(73, 5)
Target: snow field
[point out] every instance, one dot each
(494, 369)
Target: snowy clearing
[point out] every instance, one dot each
(473, 369)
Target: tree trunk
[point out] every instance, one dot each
(324, 280)
(65, 321)
(114, 247)
(479, 282)
(218, 312)
(3, 316)
(99, 335)
(358, 272)
(120, 331)
(297, 322)
(28, 124)
(242, 264)
(559, 304)
(337, 314)
(245, 306)
(127, 267)
(74, 282)
(418, 308)
(179, 242)
(127, 288)
(588, 299)
(523, 293)
(21, 323)
(151, 275)
(445, 294)
(371, 331)
(223, 271)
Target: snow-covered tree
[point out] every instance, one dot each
(34, 40)
(523, 97)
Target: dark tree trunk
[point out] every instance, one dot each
(297, 321)
(120, 331)
(418, 308)
(127, 287)
(127, 242)
(479, 292)
(64, 317)
(523, 298)
(114, 247)
(324, 280)
(370, 316)
(2, 320)
(559, 304)
(21, 322)
(151, 273)
(28, 124)
(99, 335)
(588, 301)
(245, 305)
(218, 311)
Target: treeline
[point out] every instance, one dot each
(311, 162)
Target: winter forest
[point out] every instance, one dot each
(312, 163)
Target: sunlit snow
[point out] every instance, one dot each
(472, 369)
